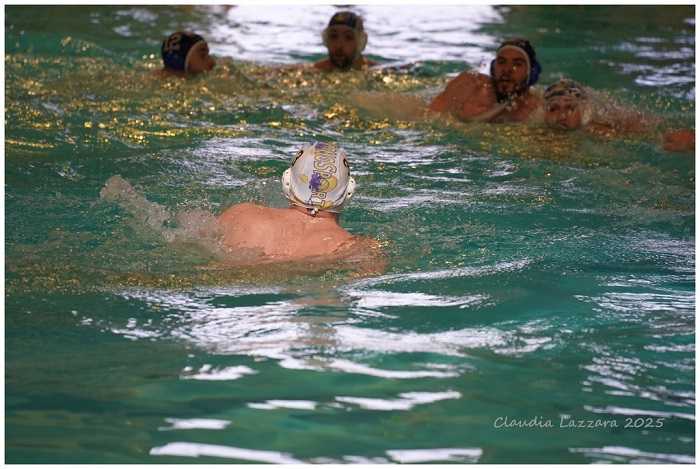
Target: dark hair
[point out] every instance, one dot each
(347, 18)
(175, 48)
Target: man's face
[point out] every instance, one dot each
(563, 112)
(199, 60)
(510, 70)
(341, 43)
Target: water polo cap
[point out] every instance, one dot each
(319, 178)
(352, 21)
(523, 46)
(565, 87)
(176, 48)
(572, 89)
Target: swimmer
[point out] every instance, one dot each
(317, 185)
(185, 54)
(569, 106)
(345, 38)
(503, 96)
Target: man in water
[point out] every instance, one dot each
(185, 54)
(317, 184)
(345, 38)
(568, 106)
(502, 96)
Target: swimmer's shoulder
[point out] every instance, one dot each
(241, 210)
(536, 106)
(471, 78)
(324, 65)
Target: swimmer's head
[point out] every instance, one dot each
(319, 178)
(186, 52)
(566, 105)
(345, 39)
(515, 68)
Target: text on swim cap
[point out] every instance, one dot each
(322, 179)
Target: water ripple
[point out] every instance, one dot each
(417, 456)
(195, 450)
(407, 401)
(632, 455)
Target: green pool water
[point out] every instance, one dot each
(536, 280)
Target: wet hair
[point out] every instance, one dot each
(525, 46)
(175, 48)
(347, 18)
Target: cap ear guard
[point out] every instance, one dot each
(535, 71)
(350, 191)
(287, 183)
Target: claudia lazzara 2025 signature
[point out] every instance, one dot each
(567, 421)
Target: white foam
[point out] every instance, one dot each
(190, 424)
(208, 373)
(283, 404)
(348, 366)
(414, 456)
(635, 455)
(407, 400)
(195, 450)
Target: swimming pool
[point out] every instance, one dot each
(534, 277)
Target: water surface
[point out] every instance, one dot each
(533, 275)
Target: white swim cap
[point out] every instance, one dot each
(319, 178)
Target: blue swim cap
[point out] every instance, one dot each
(175, 48)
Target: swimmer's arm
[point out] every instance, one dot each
(679, 140)
(365, 256)
(635, 123)
(469, 97)
(324, 65)
(456, 91)
(673, 140)
(390, 105)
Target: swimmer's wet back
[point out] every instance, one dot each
(537, 303)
